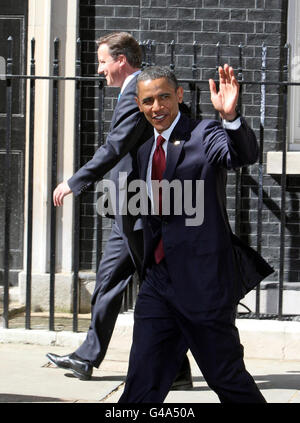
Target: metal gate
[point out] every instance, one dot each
(194, 87)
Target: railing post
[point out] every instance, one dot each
(148, 52)
(7, 173)
(153, 52)
(238, 172)
(100, 142)
(193, 86)
(240, 77)
(30, 188)
(260, 164)
(218, 62)
(76, 239)
(283, 181)
(53, 185)
(172, 55)
(143, 49)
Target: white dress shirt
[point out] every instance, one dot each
(128, 79)
(166, 135)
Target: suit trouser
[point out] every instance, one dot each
(163, 331)
(115, 271)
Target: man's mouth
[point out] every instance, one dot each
(159, 118)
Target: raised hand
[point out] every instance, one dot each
(225, 100)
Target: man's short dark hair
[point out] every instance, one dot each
(123, 43)
(157, 72)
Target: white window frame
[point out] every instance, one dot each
(293, 36)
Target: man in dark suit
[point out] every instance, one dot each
(119, 58)
(195, 269)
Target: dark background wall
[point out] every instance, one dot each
(205, 22)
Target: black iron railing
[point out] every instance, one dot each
(149, 58)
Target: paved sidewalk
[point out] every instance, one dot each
(27, 376)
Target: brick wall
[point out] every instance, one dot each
(206, 23)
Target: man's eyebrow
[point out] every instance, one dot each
(144, 100)
(151, 98)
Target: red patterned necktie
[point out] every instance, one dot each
(158, 168)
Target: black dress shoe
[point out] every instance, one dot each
(183, 380)
(80, 368)
(62, 361)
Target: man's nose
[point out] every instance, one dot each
(100, 69)
(156, 105)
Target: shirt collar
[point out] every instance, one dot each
(167, 133)
(128, 79)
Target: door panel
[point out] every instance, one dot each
(13, 22)
(14, 26)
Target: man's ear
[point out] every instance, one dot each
(138, 103)
(122, 59)
(180, 94)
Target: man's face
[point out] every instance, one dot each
(158, 100)
(109, 67)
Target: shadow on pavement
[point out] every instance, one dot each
(289, 380)
(27, 398)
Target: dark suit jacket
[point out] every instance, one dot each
(208, 265)
(128, 130)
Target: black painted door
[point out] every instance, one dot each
(13, 22)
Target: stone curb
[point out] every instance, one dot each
(265, 339)
(270, 339)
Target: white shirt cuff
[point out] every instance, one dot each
(232, 125)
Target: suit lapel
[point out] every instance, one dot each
(119, 105)
(176, 142)
(174, 150)
(145, 155)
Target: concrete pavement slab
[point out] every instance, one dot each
(27, 376)
(278, 380)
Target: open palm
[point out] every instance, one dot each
(225, 100)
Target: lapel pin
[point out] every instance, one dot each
(176, 142)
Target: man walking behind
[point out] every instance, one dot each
(119, 58)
